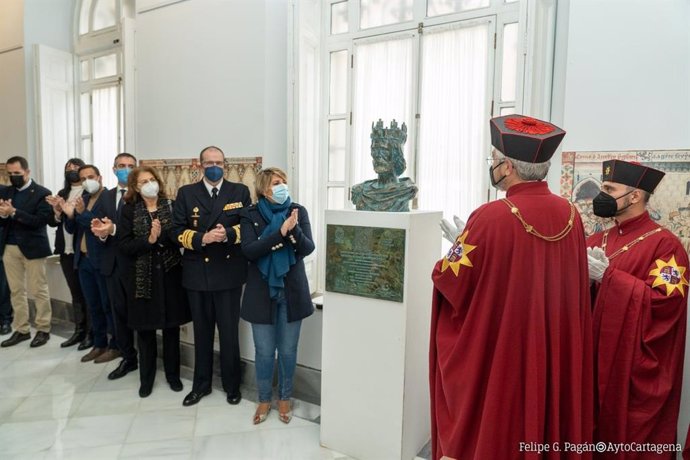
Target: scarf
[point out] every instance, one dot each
(276, 264)
(142, 228)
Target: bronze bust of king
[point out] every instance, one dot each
(389, 192)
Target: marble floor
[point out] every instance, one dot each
(52, 406)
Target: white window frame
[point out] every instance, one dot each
(536, 32)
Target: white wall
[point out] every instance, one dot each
(622, 82)
(212, 72)
(215, 72)
(46, 22)
(12, 91)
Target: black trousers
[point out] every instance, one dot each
(148, 352)
(81, 315)
(208, 309)
(118, 304)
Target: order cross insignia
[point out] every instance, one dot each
(458, 255)
(670, 275)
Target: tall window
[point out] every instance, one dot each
(101, 115)
(442, 67)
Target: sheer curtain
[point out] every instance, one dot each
(384, 82)
(453, 141)
(105, 131)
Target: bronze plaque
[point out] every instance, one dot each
(365, 261)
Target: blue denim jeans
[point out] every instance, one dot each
(268, 338)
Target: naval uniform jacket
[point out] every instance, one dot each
(257, 305)
(216, 266)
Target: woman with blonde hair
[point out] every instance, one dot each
(276, 236)
(156, 299)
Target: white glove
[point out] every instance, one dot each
(451, 232)
(598, 263)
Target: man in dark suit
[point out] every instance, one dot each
(24, 215)
(207, 225)
(87, 259)
(113, 263)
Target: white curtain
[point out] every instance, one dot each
(384, 81)
(105, 131)
(453, 146)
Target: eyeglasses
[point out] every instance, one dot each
(208, 164)
(490, 161)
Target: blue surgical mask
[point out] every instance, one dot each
(122, 175)
(213, 173)
(280, 193)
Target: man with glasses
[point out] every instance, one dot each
(207, 225)
(114, 266)
(24, 216)
(511, 339)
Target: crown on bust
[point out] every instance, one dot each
(379, 132)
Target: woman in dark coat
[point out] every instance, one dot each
(65, 247)
(156, 297)
(276, 236)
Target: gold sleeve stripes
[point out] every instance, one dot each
(186, 238)
(238, 239)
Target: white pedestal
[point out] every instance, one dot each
(375, 371)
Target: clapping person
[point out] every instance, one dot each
(156, 298)
(276, 236)
(65, 248)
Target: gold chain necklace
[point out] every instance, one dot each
(604, 242)
(530, 229)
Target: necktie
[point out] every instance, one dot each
(214, 192)
(120, 200)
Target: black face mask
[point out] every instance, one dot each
(17, 181)
(495, 182)
(605, 205)
(72, 177)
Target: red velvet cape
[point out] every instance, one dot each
(639, 337)
(511, 345)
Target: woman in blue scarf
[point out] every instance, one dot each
(276, 236)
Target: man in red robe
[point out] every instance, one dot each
(511, 338)
(640, 279)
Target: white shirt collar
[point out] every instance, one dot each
(209, 187)
(27, 185)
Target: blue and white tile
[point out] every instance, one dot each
(175, 449)
(162, 425)
(104, 430)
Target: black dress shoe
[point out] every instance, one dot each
(40, 339)
(86, 343)
(175, 384)
(124, 368)
(78, 336)
(15, 339)
(5, 328)
(234, 399)
(145, 391)
(194, 397)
